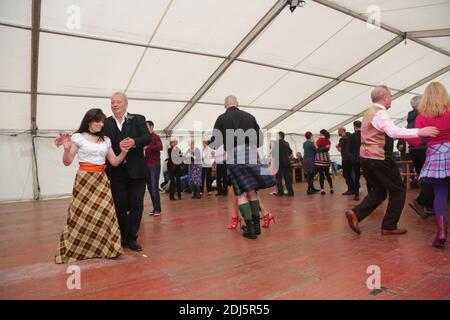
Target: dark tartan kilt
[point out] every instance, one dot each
(91, 230)
(248, 177)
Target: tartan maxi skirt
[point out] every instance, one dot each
(92, 230)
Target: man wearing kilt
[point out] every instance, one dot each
(379, 169)
(128, 180)
(240, 135)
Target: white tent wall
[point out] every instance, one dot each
(55, 178)
(16, 167)
(166, 54)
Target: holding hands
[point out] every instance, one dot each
(126, 144)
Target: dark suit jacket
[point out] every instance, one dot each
(134, 164)
(354, 146)
(281, 153)
(234, 118)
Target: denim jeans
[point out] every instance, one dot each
(153, 186)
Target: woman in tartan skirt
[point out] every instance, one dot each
(434, 109)
(92, 230)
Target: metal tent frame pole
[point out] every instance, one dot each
(248, 39)
(36, 21)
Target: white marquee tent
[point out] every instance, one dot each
(178, 59)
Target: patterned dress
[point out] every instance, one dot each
(91, 230)
(322, 158)
(195, 167)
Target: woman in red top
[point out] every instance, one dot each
(434, 111)
(322, 160)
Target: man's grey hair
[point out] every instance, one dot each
(123, 94)
(379, 92)
(415, 101)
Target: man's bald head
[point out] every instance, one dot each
(231, 101)
(381, 95)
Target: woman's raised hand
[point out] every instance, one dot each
(64, 140)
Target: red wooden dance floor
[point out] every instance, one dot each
(310, 253)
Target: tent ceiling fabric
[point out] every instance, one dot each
(16, 12)
(167, 50)
(411, 58)
(440, 42)
(406, 15)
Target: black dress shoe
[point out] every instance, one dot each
(352, 221)
(133, 245)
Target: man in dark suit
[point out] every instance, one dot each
(353, 149)
(347, 168)
(128, 180)
(281, 154)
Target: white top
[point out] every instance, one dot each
(120, 123)
(91, 152)
(207, 157)
(220, 155)
(382, 122)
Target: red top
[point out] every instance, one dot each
(322, 142)
(152, 152)
(443, 125)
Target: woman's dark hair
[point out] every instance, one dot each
(308, 135)
(93, 115)
(325, 133)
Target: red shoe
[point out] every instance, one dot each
(267, 218)
(234, 222)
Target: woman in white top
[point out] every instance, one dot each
(207, 163)
(92, 230)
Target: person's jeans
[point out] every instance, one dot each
(153, 186)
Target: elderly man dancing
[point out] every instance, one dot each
(379, 169)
